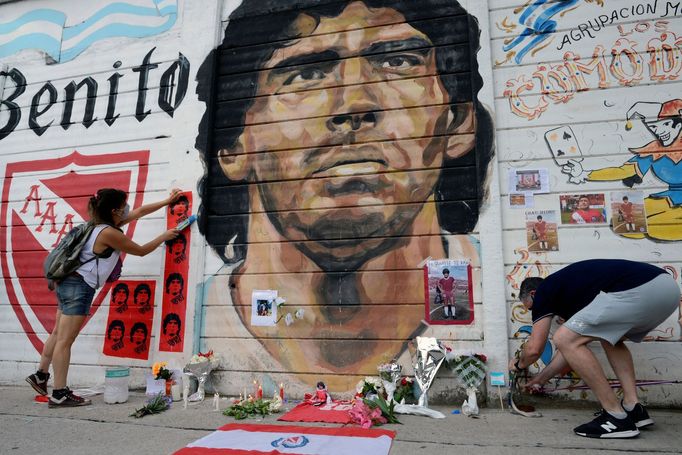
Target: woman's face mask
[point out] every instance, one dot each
(125, 211)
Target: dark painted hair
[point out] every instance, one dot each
(141, 287)
(539, 217)
(458, 207)
(446, 271)
(181, 200)
(104, 202)
(121, 287)
(174, 276)
(139, 326)
(179, 239)
(529, 284)
(171, 317)
(116, 323)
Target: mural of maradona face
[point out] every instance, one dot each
(346, 155)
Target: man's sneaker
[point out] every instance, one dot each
(640, 416)
(39, 385)
(67, 400)
(607, 426)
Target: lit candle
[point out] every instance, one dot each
(255, 388)
(281, 391)
(260, 393)
(250, 398)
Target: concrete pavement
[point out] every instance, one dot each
(27, 427)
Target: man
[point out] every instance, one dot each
(142, 297)
(138, 337)
(120, 297)
(175, 284)
(180, 208)
(342, 157)
(540, 229)
(583, 214)
(605, 300)
(447, 288)
(625, 209)
(177, 248)
(171, 329)
(115, 334)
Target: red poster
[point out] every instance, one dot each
(131, 311)
(172, 332)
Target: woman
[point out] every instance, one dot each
(109, 210)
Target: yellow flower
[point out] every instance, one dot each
(157, 367)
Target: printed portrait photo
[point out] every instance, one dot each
(542, 230)
(627, 212)
(448, 290)
(583, 208)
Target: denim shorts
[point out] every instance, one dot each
(75, 296)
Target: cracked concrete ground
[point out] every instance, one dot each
(27, 427)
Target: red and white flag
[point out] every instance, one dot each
(248, 439)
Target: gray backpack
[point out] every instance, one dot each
(64, 259)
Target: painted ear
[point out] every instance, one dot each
(462, 131)
(234, 162)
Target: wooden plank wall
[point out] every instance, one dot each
(539, 87)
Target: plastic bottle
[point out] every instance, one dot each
(116, 385)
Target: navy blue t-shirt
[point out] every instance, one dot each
(572, 288)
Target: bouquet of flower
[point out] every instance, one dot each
(160, 371)
(154, 405)
(369, 386)
(250, 407)
(200, 367)
(389, 374)
(404, 390)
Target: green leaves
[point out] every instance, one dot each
(387, 409)
(155, 405)
(246, 408)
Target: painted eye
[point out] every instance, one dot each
(400, 62)
(305, 75)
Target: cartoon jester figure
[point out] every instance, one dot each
(661, 156)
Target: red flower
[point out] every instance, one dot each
(481, 357)
(404, 381)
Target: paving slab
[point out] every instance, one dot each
(27, 427)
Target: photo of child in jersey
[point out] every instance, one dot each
(627, 212)
(448, 296)
(175, 285)
(583, 208)
(177, 249)
(542, 230)
(119, 297)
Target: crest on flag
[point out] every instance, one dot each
(292, 442)
(41, 201)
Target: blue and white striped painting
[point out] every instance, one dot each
(50, 31)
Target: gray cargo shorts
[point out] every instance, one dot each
(631, 313)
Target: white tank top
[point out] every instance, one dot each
(96, 271)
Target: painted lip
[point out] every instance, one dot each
(350, 161)
(664, 137)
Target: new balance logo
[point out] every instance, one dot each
(608, 426)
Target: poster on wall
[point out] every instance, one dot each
(174, 304)
(448, 292)
(583, 208)
(528, 181)
(264, 308)
(542, 232)
(131, 311)
(627, 212)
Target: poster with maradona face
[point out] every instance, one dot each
(447, 290)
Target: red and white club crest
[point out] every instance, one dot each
(41, 202)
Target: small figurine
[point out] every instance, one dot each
(321, 396)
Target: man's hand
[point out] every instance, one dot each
(512, 365)
(534, 385)
(174, 196)
(575, 172)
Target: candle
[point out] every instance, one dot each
(281, 391)
(255, 388)
(250, 398)
(260, 393)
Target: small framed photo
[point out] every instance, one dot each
(264, 308)
(448, 292)
(627, 212)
